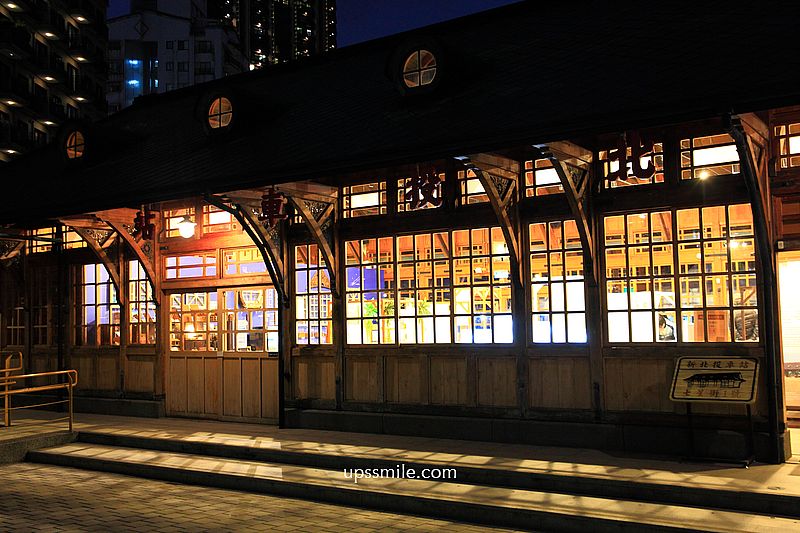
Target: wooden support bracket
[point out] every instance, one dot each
(319, 217)
(95, 240)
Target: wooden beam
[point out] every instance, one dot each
(143, 250)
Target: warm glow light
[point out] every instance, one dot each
(80, 99)
(11, 152)
(49, 35)
(703, 174)
(80, 19)
(49, 123)
(11, 102)
(80, 59)
(49, 78)
(186, 228)
(10, 5)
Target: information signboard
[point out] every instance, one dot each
(715, 379)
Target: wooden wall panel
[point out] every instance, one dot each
(448, 380)
(361, 379)
(231, 387)
(251, 388)
(314, 377)
(84, 364)
(195, 381)
(176, 385)
(560, 383)
(140, 374)
(639, 384)
(269, 388)
(212, 397)
(497, 381)
(107, 372)
(407, 379)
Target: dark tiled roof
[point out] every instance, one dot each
(529, 72)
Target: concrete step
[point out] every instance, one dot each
(498, 506)
(573, 479)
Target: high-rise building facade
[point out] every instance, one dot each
(275, 31)
(165, 45)
(52, 69)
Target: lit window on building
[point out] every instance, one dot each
(684, 275)
(704, 157)
(243, 262)
(610, 163)
(364, 200)
(471, 188)
(194, 326)
(97, 310)
(250, 320)
(215, 220)
(558, 302)
(141, 305)
(75, 145)
(313, 298)
(419, 69)
(71, 240)
(174, 217)
(220, 113)
(788, 137)
(541, 178)
(446, 287)
(186, 266)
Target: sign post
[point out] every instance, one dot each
(716, 380)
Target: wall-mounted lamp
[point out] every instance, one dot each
(186, 228)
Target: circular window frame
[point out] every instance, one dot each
(415, 71)
(215, 119)
(74, 146)
(220, 114)
(406, 53)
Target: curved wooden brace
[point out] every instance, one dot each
(257, 233)
(572, 164)
(111, 266)
(138, 251)
(318, 236)
(758, 193)
(500, 203)
(10, 248)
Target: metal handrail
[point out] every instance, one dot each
(6, 392)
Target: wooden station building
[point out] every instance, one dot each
(504, 227)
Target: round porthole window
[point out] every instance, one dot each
(220, 113)
(75, 145)
(419, 69)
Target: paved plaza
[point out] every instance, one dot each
(46, 498)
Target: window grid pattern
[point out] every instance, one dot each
(541, 178)
(141, 305)
(15, 327)
(682, 276)
(200, 265)
(215, 220)
(704, 157)
(243, 262)
(558, 303)
(405, 195)
(72, 240)
(419, 69)
(444, 288)
(471, 189)
(194, 326)
(220, 112)
(609, 165)
(364, 200)
(251, 320)
(313, 298)
(40, 309)
(788, 140)
(173, 217)
(98, 311)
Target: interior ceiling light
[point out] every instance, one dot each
(186, 228)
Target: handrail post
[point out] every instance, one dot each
(69, 389)
(7, 396)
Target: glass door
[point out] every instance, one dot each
(789, 289)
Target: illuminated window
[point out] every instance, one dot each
(313, 300)
(704, 157)
(75, 145)
(364, 200)
(220, 113)
(541, 178)
(41, 296)
(173, 217)
(610, 164)
(215, 220)
(193, 322)
(419, 69)
(97, 308)
(201, 265)
(472, 191)
(71, 240)
(250, 320)
(405, 195)
(557, 288)
(696, 286)
(243, 262)
(788, 136)
(447, 287)
(141, 305)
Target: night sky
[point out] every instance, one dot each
(362, 20)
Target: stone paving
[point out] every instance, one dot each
(47, 498)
